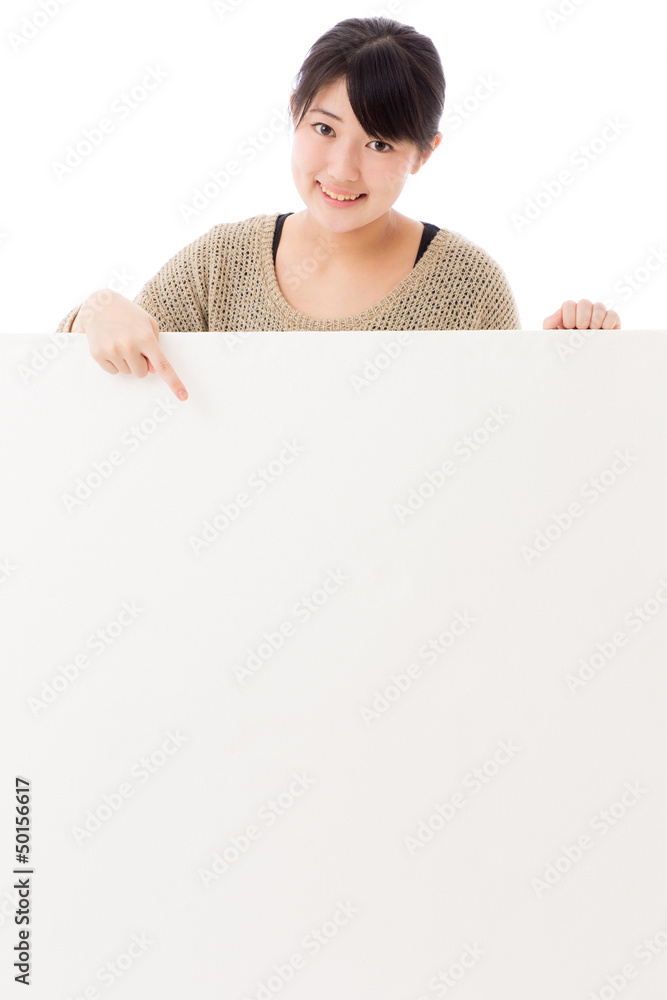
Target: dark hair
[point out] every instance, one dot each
(394, 77)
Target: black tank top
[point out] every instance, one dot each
(429, 232)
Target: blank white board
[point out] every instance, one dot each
(344, 678)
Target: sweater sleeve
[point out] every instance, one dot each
(65, 325)
(177, 295)
(497, 307)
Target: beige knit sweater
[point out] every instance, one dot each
(225, 280)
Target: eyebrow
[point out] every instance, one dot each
(329, 113)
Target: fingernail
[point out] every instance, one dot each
(182, 394)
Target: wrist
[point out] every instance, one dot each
(89, 307)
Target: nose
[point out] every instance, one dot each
(344, 164)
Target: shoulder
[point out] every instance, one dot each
(226, 237)
(241, 232)
(460, 253)
(474, 277)
(215, 250)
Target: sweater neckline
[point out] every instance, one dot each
(357, 320)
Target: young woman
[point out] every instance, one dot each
(367, 105)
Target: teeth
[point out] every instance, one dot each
(339, 197)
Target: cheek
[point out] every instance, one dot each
(387, 175)
(386, 180)
(303, 152)
(398, 172)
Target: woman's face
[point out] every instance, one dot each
(339, 155)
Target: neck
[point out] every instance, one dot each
(371, 241)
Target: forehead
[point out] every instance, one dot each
(334, 98)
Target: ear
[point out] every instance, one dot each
(421, 160)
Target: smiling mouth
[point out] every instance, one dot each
(338, 197)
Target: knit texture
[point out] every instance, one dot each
(225, 280)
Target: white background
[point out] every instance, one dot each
(495, 876)
(117, 213)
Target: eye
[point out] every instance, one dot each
(316, 125)
(382, 143)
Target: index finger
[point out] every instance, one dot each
(158, 363)
(553, 322)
